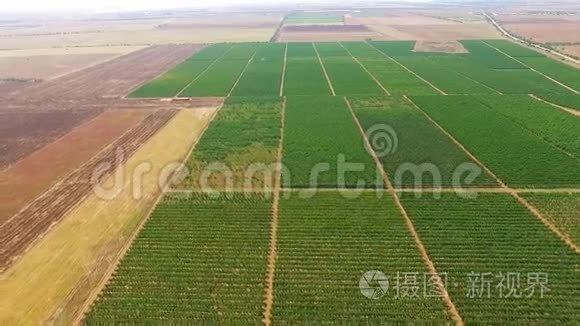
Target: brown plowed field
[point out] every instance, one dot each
(19, 232)
(31, 176)
(114, 78)
(21, 133)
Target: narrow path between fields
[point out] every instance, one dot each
(365, 69)
(557, 106)
(111, 270)
(283, 81)
(324, 70)
(409, 70)
(241, 75)
(507, 189)
(437, 278)
(203, 72)
(273, 252)
(532, 69)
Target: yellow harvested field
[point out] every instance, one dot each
(52, 281)
(70, 51)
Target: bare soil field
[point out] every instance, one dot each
(90, 239)
(21, 133)
(573, 50)
(31, 176)
(297, 33)
(411, 26)
(46, 66)
(22, 229)
(114, 78)
(544, 28)
(443, 47)
(9, 86)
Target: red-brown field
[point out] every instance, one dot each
(544, 28)
(21, 133)
(29, 177)
(21, 230)
(114, 78)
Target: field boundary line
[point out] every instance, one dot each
(365, 69)
(273, 250)
(203, 72)
(528, 44)
(452, 309)
(509, 190)
(480, 83)
(324, 70)
(557, 106)
(241, 74)
(61, 180)
(133, 89)
(409, 70)
(283, 81)
(109, 273)
(532, 69)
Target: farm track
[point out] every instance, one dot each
(563, 108)
(365, 69)
(324, 70)
(420, 246)
(273, 250)
(566, 239)
(409, 70)
(283, 79)
(113, 78)
(18, 233)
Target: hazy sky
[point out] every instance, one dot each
(97, 5)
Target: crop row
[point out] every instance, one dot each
(415, 152)
(198, 259)
(561, 209)
(488, 56)
(571, 101)
(502, 264)
(246, 131)
(325, 245)
(556, 70)
(519, 157)
(319, 133)
(513, 49)
(554, 126)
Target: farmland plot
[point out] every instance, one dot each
(261, 78)
(556, 70)
(197, 259)
(513, 49)
(443, 77)
(419, 146)
(561, 209)
(394, 48)
(242, 51)
(301, 50)
(396, 79)
(483, 54)
(363, 51)
(554, 126)
(570, 101)
(319, 132)
(478, 242)
(330, 49)
(326, 243)
(349, 78)
(218, 80)
(245, 132)
(515, 155)
(305, 77)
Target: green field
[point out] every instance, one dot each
(246, 131)
(320, 131)
(197, 259)
(424, 156)
(479, 241)
(326, 243)
(485, 190)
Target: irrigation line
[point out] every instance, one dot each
(273, 251)
(324, 70)
(365, 69)
(241, 74)
(409, 70)
(283, 81)
(421, 247)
